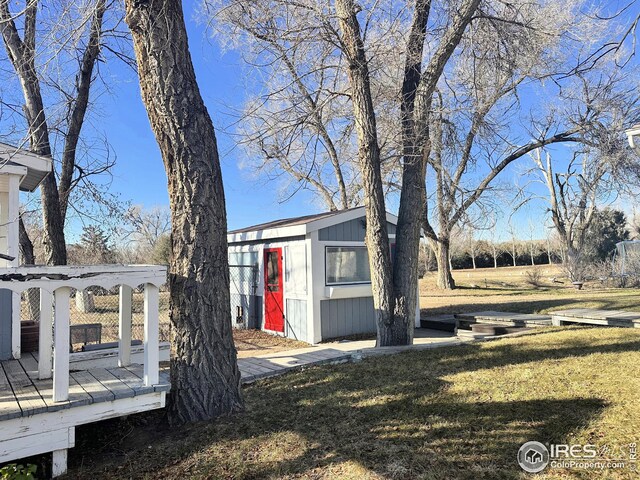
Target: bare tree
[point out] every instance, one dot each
(596, 172)
(473, 135)
(204, 370)
(513, 243)
(146, 226)
(83, 33)
(298, 128)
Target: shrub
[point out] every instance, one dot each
(14, 471)
(534, 277)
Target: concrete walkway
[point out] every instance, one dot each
(273, 364)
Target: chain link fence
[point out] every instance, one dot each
(95, 312)
(95, 315)
(245, 303)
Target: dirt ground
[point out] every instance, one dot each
(255, 342)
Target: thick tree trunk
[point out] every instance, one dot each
(445, 279)
(376, 238)
(204, 372)
(417, 91)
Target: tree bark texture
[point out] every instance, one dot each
(21, 53)
(377, 238)
(417, 91)
(445, 278)
(204, 373)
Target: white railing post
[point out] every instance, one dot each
(124, 336)
(151, 334)
(45, 339)
(61, 345)
(13, 250)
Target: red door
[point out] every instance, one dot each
(273, 283)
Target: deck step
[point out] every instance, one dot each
(444, 323)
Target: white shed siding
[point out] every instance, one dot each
(295, 266)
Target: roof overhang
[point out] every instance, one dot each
(301, 230)
(31, 167)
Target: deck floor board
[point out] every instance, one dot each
(23, 388)
(23, 394)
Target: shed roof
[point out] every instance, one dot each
(37, 166)
(297, 226)
(287, 222)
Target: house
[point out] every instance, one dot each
(305, 278)
(45, 394)
(20, 170)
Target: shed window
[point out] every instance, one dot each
(347, 265)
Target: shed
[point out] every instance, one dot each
(19, 170)
(305, 278)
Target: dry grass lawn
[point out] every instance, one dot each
(506, 289)
(450, 413)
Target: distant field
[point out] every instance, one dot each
(506, 289)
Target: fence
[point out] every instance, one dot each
(246, 305)
(94, 314)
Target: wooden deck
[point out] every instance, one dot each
(22, 394)
(510, 319)
(592, 316)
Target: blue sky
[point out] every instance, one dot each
(139, 175)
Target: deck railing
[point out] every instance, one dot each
(56, 285)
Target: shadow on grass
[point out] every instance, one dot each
(395, 417)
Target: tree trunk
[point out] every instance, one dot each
(29, 258)
(473, 260)
(495, 258)
(418, 88)
(445, 279)
(204, 372)
(22, 56)
(376, 237)
(79, 109)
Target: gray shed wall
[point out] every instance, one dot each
(296, 319)
(5, 324)
(347, 316)
(351, 231)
